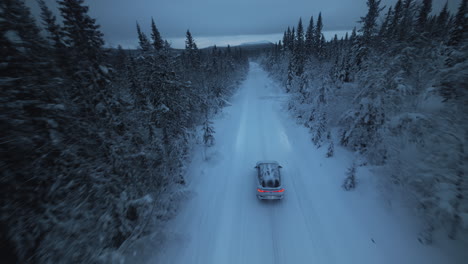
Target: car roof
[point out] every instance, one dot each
(267, 162)
(269, 171)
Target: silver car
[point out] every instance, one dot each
(269, 180)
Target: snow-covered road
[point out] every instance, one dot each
(316, 222)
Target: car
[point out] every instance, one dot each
(269, 181)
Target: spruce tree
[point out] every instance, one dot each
(191, 53)
(395, 24)
(50, 23)
(384, 28)
(82, 34)
(143, 41)
(288, 43)
(459, 32)
(292, 39)
(299, 37)
(406, 24)
(350, 180)
(208, 133)
(318, 34)
(189, 43)
(369, 22)
(423, 15)
(84, 43)
(309, 38)
(158, 43)
(321, 46)
(442, 22)
(285, 39)
(299, 50)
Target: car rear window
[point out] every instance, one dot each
(271, 184)
(269, 175)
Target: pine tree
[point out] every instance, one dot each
(442, 21)
(350, 181)
(191, 51)
(158, 43)
(321, 126)
(321, 46)
(369, 22)
(397, 16)
(424, 12)
(459, 33)
(189, 43)
(406, 24)
(318, 35)
(143, 41)
(82, 34)
(299, 50)
(299, 37)
(353, 36)
(208, 133)
(50, 23)
(292, 39)
(384, 28)
(331, 150)
(285, 39)
(309, 38)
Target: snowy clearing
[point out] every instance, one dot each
(316, 222)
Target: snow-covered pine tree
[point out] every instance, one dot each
(84, 43)
(289, 40)
(309, 38)
(369, 23)
(191, 53)
(285, 39)
(158, 43)
(208, 133)
(298, 53)
(331, 146)
(384, 28)
(319, 130)
(459, 32)
(143, 42)
(406, 26)
(54, 33)
(394, 27)
(318, 34)
(424, 12)
(350, 180)
(441, 29)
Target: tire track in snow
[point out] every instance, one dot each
(313, 225)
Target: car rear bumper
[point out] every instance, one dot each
(270, 196)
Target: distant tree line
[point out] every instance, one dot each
(394, 91)
(94, 141)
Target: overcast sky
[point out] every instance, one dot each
(221, 21)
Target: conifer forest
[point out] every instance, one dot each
(145, 154)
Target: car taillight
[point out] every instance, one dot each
(262, 191)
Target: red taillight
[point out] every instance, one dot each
(262, 191)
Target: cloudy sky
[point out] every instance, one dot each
(221, 21)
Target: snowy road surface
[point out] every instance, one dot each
(316, 222)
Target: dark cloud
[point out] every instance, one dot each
(221, 17)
